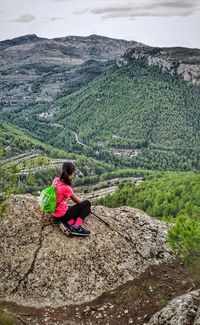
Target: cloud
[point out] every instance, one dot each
(54, 18)
(179, 4)
(27, 18)
(57, 18)
(156, 8)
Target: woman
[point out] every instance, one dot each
(70, 218)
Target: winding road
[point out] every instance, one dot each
(77, 140)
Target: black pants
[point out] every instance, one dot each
(81, 209)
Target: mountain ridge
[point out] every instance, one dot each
(35, 69)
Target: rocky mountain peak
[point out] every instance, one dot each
(25, 39)
(28, 37)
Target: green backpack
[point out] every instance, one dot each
(47, 199)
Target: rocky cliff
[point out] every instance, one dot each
(41, 266)
(175, 61)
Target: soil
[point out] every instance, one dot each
(131, 303)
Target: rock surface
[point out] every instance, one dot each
(41, 266)
(183, 310)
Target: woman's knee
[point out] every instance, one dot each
(86, 202)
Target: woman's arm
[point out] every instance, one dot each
(75, 198)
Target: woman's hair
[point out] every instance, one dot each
(67, 169)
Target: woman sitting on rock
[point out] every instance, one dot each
(70, 218)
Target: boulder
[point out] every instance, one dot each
(41, 266)
(182, 310)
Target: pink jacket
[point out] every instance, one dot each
(63, 192)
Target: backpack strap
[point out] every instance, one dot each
(63, 196)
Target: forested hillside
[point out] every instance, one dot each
(132, 106)
(27, 164)
(162, 195)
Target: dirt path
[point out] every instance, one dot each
(132, 303)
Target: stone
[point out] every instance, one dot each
(41, 266)
(182, 310)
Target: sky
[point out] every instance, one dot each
(152, 22)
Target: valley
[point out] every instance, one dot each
(100, 91)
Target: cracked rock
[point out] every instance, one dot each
(40, 266)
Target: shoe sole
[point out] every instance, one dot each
(83, 235)
(69, 232)
(64, 229)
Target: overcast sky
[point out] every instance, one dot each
(153, 22)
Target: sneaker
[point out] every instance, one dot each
(65, 227)
(79, 231)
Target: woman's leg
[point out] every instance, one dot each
(77, 212)
(74, 217)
